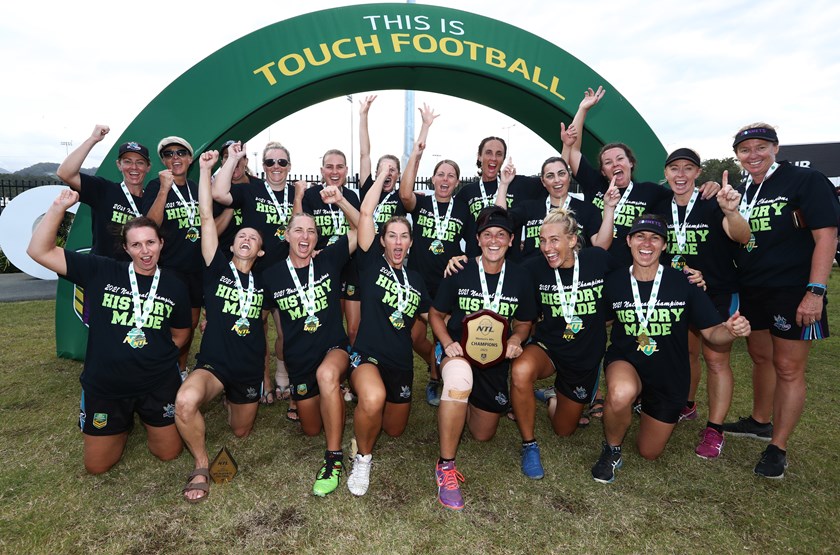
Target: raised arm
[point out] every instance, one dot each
(572, 143)
(69, 170)
(222, 183)
(407, 195)
(505, 179)
(364, 138)
(367, 227)
(734, 224)
(209, 235)
(604, 237)
(42, 248)
(155, 212)
(331, 194)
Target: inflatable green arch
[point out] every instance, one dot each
(273, 72)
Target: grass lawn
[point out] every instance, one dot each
(678, 504)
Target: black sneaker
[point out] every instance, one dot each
(772, 463)
(747, 427)
(608, 463)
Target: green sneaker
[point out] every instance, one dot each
(328, 478)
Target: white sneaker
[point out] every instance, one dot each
(359, 479)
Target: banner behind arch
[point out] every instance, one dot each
(262, 77)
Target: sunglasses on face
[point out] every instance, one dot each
(269, 162)
(180, 153)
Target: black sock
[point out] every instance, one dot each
(716, 427)
(757, 422)
(334, 455)
(529, 443)
(441, 460)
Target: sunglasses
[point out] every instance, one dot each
(180, 153)
(269, 162)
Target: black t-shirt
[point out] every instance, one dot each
(379, 296)
(325, 213)
(707, 247)
(678, 305)
(585, 348)
(521, 189)
(239, 358)
(643, 198)
(427, 257)
(182, 236)
(781, 254)
(460, 294)
(302, 348)
(529, 216)
(389, 203)
(259, 212)
(113, 369)
(109, 211)
(226, 237)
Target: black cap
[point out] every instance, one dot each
(650, 222)
(684, 154)
(137, 148)
(494, 216)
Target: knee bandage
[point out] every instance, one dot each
(457, 381)
(281, 376)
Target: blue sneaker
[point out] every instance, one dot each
(433, 393)
(531, 465)
(543, 395)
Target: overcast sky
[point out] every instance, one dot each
(696, 71)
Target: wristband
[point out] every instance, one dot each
(817, 289)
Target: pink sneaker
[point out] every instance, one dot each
(688, 413)
(711, 444)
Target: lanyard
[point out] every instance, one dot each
(142, 311)
(281, 213)
(644, 318)
(746, 209)
(378, 208)
(130, 199)
(485, 200)
(306, 298)
(245, 301)
(191, 210)
(565, 204)
(679, 229)
(567, 305)
(402, 290)
(485, 292)
(441, 225)
(623, 200)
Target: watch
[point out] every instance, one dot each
(816, 288)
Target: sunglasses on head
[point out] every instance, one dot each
(269, 162)
(180, 153)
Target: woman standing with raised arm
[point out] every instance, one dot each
(307, 290)
(382, 366)
(783, 271)
(233, 345)
(389, 201)
(139, 317)
(474, 396)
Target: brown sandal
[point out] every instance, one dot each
(198, 486)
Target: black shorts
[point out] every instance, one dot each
(577, 385)
(726, 304)
(397, 381)
(490, 390)
(304, 382)
(774, 309)
(350, 281)
(195, 288)
(663, 396)
(238, 393)
(107, 417)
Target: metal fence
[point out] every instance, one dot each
(10, 188)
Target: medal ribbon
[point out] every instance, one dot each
(281, 213)
(623, 200)
(245, 301)
(548, 206)
(497, 296)
(567, 305)
(637, 300)
(402, 290)
(485, 201)
(191, 208)
(307, 298)
(746, 209)
(441, 225)
(679, 229)
(378, 209)
(130, 199)
(142, 310)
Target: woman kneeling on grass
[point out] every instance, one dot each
(233, 346)
(477, 396)
(382, 369)
(139, 318)
(652, 309)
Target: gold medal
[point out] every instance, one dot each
(436, 247)
(678, 262)
(751, 244)
(242, 327)
(280, 233)
(192, 234)
(135, 338)
(397, 320)
(311, 324)
(332, 240)
(573, 327)
(643, 339)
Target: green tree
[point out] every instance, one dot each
(713, 169)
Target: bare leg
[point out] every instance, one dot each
(761, 349)
(330, 375)
(719, 381)
(103, 452)
(367, 418)
(653, 436)
(482, 424)
(531, 365)
(790, 358)
(623, 386)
